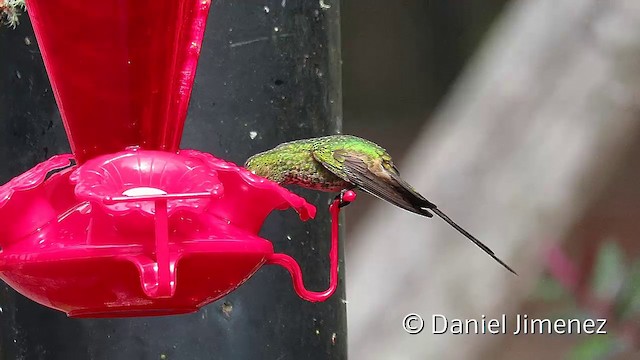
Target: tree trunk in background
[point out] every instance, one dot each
(526, 140)
(268, 73)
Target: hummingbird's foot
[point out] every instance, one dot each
(341, 202)
(345, 197)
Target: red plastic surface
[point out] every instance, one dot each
(120, 67)
(137, 227)
(73, 242)
(292, 266)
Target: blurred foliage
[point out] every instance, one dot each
(594, 348)
(549, 289)
(628, 303)
(609, 272)
(607, 287)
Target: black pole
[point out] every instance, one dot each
(269, 72)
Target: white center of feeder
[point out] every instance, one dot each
(143, 191)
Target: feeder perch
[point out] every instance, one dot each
(129, 224)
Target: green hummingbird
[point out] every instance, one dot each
(338, 163)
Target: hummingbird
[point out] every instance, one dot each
(338, 163)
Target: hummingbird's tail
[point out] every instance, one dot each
(464, 232)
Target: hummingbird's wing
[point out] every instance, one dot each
(380, 182)
(386, 184)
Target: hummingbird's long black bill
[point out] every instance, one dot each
(464, 232)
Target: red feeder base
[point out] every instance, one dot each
(95, 282)
(142, 233)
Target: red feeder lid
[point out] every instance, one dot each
(121, 71)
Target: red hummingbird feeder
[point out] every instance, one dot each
(130, 225)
